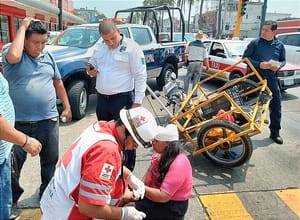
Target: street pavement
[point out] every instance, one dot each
(218, 190)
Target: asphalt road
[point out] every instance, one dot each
(266, 187)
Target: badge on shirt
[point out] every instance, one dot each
(106, 171)
(143, 61)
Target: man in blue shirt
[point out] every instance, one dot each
(34, 83)
(267, 54)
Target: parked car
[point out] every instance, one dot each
(224, 53)
(291, 42)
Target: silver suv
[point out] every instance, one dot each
(291, 42)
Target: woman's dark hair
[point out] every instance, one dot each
(35, 27)
(167, 158)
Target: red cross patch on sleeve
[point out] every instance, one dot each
(106, 171)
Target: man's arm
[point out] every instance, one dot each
(10, 134)
(248, 53)
(62, 94)
(139, 73)
(99, 211)
(15, 51)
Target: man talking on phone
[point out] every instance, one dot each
(120, 68)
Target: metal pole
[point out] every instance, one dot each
(60, 24)
(263, 15)
(238, 20)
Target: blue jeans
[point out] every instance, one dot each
(5, 189)
(46, 131)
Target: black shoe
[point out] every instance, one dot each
(276, 139)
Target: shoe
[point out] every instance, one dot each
(276, 139)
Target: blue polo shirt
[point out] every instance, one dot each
(7, 111)
(31, 86)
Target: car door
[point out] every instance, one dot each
(292, 47)
(216, 58)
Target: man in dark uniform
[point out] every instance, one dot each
(267, 54)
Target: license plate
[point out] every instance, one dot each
(288, 82)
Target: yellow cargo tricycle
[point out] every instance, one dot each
(219, 123)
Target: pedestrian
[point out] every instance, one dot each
(168, 180)
(34, 83)
(8, 136)
(119, 64)
(86, 183)
(267, 54)
(197, 54)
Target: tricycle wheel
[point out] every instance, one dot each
(234, 152)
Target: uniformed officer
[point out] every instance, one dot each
(119, 65)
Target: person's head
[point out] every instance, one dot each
(36, 37)
(164, 137)
(165, 144)
(110, 34)
(140, 127)
(269, 30)
(199, 35)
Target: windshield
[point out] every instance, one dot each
(82, 37)
(188, 37)
(235, 48)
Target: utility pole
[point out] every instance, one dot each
(263, 15)
(60, 24)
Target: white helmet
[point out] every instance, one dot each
(140, 123)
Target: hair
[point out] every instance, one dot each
(167, 158)
(272, 23)
(35, 27)
(119, 122)
(107, 27)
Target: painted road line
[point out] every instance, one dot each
(30, 214)
(291, 198)
(225, 207)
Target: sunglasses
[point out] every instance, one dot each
(136, 133)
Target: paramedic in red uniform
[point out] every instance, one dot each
(86, 182)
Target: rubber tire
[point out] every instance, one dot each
(211, 155)
(78, 98)
(165, 74)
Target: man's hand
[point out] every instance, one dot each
(131, 213)
(32, 146)
(136, 185)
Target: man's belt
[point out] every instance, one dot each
(115, 95)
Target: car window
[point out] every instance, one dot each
(216, 48)
(282, 38)
(82, 37)
(293, 40)
(125, 31)
(141, 35)
(235, 49)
